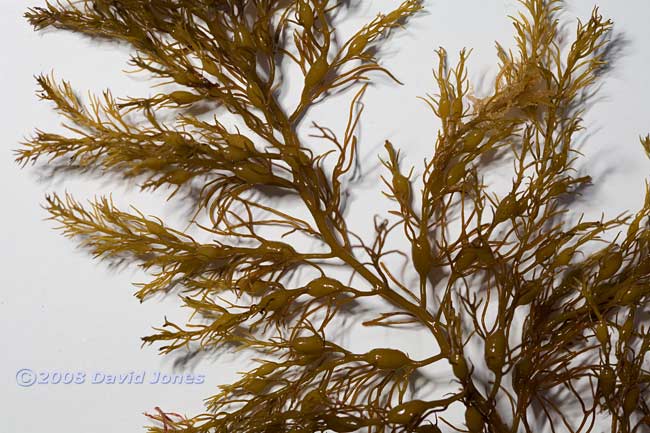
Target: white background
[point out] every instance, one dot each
(61, 310)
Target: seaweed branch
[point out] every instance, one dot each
(550, 309)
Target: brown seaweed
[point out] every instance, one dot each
(482, 260)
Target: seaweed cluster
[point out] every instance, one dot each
(509, 287)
